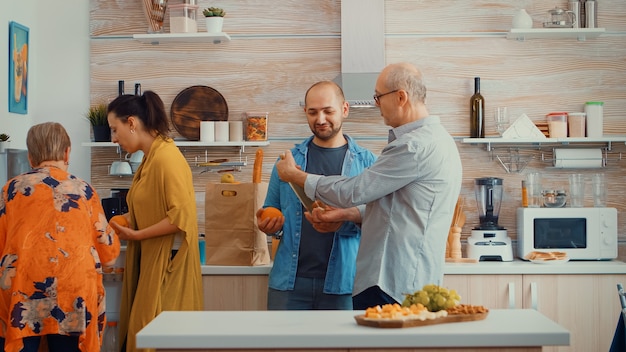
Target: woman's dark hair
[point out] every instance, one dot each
(148, 107)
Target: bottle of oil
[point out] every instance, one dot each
(477, 112)
(524, 195)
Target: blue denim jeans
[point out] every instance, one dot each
(372, 297)
(307, 294)
(56, 343)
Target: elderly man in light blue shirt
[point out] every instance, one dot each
(410, 193)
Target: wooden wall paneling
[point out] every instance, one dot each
(534, 77)
(410, 16)
(246, 17)
(272, 60)
(253, 75)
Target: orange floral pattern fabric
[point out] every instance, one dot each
(54, 239)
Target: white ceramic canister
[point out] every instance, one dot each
(207, 131)
(594, 112)
(235, 131)
(221, 131)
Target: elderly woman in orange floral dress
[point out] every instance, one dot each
(54, 241)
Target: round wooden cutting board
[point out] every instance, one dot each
(195, 104)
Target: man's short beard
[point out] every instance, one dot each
(327, 137)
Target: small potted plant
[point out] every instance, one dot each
(97, 116)
(3, 139)
(214, 18)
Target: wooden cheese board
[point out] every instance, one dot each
(195, 104)
(409, 323)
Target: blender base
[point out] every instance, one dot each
(490, 245)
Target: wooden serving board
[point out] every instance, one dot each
(398, 323)
(195, 104)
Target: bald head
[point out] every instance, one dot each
(406, 76)
(327, 84)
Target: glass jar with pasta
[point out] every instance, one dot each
(256, 126)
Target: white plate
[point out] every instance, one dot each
(554, 261)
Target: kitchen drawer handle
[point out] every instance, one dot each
(533, 295)
(511, 295)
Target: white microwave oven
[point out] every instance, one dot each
(582, 233)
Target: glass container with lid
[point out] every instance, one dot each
(560, 18)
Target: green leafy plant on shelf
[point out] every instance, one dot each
(214, 12)
(97, 115)
(4, 137)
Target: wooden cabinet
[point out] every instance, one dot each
(492, 291)
(235, 292)
(587, 305)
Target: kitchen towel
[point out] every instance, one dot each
(578, 158)
(207, 131)
(221, 131)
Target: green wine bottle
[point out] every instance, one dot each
(477, 112)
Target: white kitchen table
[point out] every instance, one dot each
(513, 329)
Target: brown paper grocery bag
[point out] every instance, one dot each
(232, 234)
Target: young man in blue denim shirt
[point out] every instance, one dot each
(315, 264)
(410, 194)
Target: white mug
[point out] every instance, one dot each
(135, 157)
(119, 168)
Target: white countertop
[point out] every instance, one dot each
(338, 329)
(480, 268)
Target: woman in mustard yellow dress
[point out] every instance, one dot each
(54, 240)
(163, 233)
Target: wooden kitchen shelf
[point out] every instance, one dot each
(200, 37)
(512, 161)
(548, 33)
(185, 143)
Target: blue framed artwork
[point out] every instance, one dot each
(18, 68)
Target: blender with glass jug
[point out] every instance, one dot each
(489, 241)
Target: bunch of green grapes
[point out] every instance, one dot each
(433, 297)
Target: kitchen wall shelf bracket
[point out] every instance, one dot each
(512, 161)
(581, 34)
(222, 166)
(537, 143)
(507, 151)
(607, 156)
(200, 37)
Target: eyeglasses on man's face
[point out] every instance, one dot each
(377, 97)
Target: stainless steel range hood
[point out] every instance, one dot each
(362, 49)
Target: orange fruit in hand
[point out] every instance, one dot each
(120, 220)
(270, 212)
